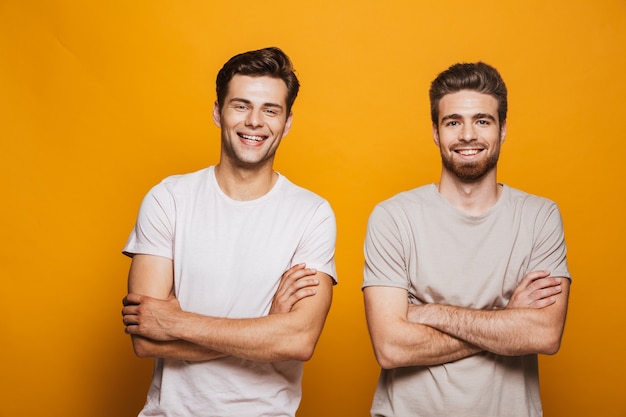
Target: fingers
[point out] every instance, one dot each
(533, 276)
(298, 278)
(297, 283)
(305, 291)
(298, 290)
(129, 319)
(131, 299)
(130, 312)
(298, 271)
(153, 318)
(545, 287)
(542, 302)
(295, 278)
(546, 295)
(541, 284)
(536, 290)
(304, 283)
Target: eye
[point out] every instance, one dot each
(483, 122)
(271, 112)
(452, 123)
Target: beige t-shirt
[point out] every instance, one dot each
(419, 242)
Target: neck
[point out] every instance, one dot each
(244, 184)
(473, 198)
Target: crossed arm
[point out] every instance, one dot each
(160, 328)
(432, 334)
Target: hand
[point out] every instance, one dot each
(536, 290)
(150, 317)
(295, 284)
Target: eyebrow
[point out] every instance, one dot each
(246, 101)
(477, 116)
(484, 116)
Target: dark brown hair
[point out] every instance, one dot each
(478, 76)
(271, 62)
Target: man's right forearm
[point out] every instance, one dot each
(420, 345)
(436, 348)
(399, 340)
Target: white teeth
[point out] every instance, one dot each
(254, 138)
(468, 152)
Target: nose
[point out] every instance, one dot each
(254, 118)
(467, 132)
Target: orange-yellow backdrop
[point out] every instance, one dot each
(100, 100)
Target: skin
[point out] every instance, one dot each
(255, 107)
(469, 138)
(253, 121)
(161, 329)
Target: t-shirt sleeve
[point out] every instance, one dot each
(317, 247)
(549, 250)
(153, 233)
(384, 252)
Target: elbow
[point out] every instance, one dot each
(386, 363)
(386, 356)
(550, 341)
(303, 355)
(292, 347)
(551, 346)
(299, 345)
(142, 347)
(303, 350)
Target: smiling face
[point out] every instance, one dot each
(253, 121)
(468, 135)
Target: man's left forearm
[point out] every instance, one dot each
(505, 332)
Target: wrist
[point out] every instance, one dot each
(182, 324)
(421, 314)
(426, 314)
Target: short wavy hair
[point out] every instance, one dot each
(478, 76)
(272, 62)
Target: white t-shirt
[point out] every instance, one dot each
(419, 242)
(228, 260)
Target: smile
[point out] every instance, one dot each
(252, 138)
(468, 152)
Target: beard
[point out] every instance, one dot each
(471, 171)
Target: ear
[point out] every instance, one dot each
(217, 119)
(436, 134)
(287, 125)
(503, 132)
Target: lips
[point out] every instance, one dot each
(468, 152)
(252, 138)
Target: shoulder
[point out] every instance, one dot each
(181, 185)
(529, 201)
(408, 200)
(400, 212)
(534, 209)
(187, 180)
(297, 195)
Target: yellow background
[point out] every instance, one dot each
(99, 100)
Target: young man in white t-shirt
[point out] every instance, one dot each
(232, 266)
(465, 280)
